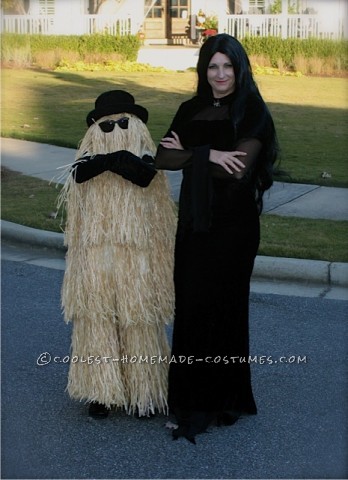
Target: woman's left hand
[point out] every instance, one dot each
(228, 160)
(172, 142)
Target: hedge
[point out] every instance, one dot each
(13, 46)
(287, 49)
(126, 46)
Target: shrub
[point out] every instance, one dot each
(310, 56)
(290, 50)
(15, 50)
(48, 50)
(106, 66)
(127, 45)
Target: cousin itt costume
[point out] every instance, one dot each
(118, 285)
(216, 244)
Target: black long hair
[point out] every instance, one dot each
(230, 46)
(245, 86)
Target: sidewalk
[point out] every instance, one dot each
(171, 57)
(285, 199)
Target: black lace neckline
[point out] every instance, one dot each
(218, 102)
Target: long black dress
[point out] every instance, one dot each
(216, 244)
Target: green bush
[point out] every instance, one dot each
(44, 43)
(127, 45)
(288, 49)
(15, 50)
(35, 45)
(50, 50)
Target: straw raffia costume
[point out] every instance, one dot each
(118, 285)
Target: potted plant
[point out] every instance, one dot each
(210, 27)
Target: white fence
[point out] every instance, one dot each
(63, 25)
(284, 26)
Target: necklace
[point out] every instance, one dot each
(217, 103)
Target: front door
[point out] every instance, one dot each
(179, 13)
(166, 19)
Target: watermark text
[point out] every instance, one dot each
(46, 358)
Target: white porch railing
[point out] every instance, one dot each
(28, 24)
(62, 25)
(107, 24)
(284, 26)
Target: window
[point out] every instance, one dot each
(153, 8)
(256, 6)
(178, 8)
(47, 7)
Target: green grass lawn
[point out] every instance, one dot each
(33, 202)
(309, 113)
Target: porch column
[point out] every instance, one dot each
(221, 8)
(284, 18)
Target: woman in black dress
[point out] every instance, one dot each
(224, 141)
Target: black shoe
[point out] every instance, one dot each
(191, 424)
(184, 431)
(98, 410)
(227, 418)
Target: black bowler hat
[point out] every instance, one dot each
(115, 101)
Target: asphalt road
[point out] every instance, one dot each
(299, 432)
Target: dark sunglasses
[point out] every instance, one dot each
(109, 125)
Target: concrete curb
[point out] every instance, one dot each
(31, 236)
(267, 268)
(299, 270)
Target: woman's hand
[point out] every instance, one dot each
(228, 160)
(172, 142)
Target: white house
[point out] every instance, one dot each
(174, 21)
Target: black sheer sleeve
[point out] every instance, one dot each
(252, 147)
(172, 159)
